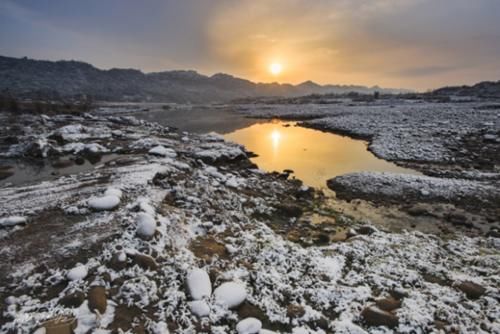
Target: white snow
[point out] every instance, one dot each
(146, 225)
(77, 273)
(249, 326)
(163, 151)
(200, 308)
(113, 192)
(12, 220)
(104, 203)
(231, 294)
(198, 283)
(160, 328)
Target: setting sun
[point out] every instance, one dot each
(275, 68)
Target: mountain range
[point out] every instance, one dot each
(31, 78)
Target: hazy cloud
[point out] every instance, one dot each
(407, 43)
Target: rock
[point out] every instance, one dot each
(77, 273)
(490, 138)
(159, 328)
(104, 203)
(290, 211)
(113, 192)
(72, 300)
(373, 316)
(471, 289)
(493, 233)
(97, 299)
(162, 151)
(388, 304)
(12, 221)
(118, 261)
(199, 308)
(146, 225)
(249, 326)
(295, 311)
(198, 283)
(366, 230)
(231, 294)
(418, 210)
(322, 238)
(145, 262)
(60, 325)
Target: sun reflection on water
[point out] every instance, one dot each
(315, 156)
(275, 138)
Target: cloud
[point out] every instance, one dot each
(411, 43)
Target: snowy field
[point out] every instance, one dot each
(174, 235)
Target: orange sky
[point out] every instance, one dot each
(417, 44)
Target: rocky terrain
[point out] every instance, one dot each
(455, 145)
(158, 231)
(28, 78)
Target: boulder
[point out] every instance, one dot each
(231, 294)
(198, 284)
(374, 316)
(60, 325)
(97, 299)
(104, 203)
(388, 303)
(199, 308)
(77, 273)
(471, 289)
(146, 225)
(249, 326)
(145, 261)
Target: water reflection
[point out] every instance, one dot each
(314, 156)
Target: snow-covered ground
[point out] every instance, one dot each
(174, 235)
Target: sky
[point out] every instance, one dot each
(416, 44)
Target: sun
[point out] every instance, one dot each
(275, 68)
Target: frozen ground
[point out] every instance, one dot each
(180, 233)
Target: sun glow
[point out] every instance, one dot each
(275, 68)
(275, 138)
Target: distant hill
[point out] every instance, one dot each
(485, 89)
(38, 78)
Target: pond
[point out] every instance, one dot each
(314, 156)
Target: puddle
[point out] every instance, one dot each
(25, 172)
(314, 156)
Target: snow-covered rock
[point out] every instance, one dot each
(249, 326)
(198, 283)
(160, 328)
(114, 192)
(231, 294)
(77, 273)
(12, 220)
(163, 151)
(146, 225)
(104, 203)
(199, 308)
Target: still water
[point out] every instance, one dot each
(313, 155)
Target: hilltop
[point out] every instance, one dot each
(31, 78)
